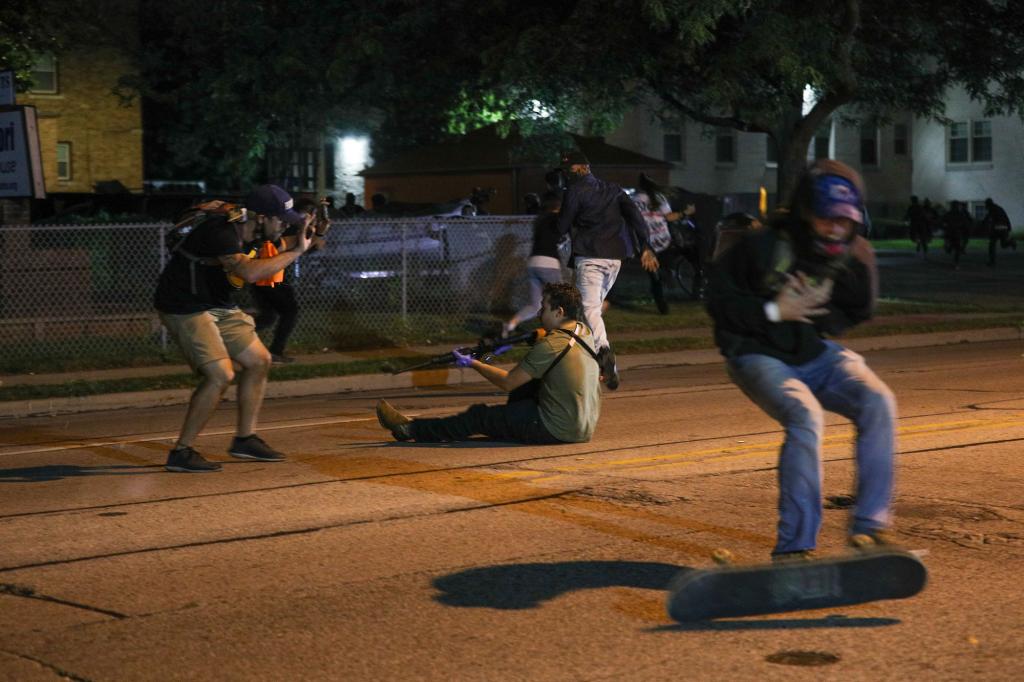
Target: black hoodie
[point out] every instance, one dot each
(751, 273)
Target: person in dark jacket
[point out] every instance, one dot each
(956, 229)
(775, 297)
(997, 223)
(597, 213)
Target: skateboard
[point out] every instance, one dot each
(730, 591)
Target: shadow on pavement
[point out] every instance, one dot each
(779, 624)
(526, 586)
(56, 472)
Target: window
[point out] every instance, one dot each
(672, 147)
(821, 145)
(725, 146)
(869, 144)
(900, 140)
(44, 75)
(958, 143)
(981, 141)
(771, 151)
(63, 160)
(970, 142)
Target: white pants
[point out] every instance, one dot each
(595, 278)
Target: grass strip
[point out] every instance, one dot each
(297, 372)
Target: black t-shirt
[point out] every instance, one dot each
(545, 235)
(187, 286)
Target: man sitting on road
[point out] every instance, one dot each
(194, 299)
(555, 391)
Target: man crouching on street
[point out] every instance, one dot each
(555, 394)
(195, 300)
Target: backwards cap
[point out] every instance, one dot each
(271, 200)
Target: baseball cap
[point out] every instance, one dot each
(574, 157)
(837, 197)
(271, 200)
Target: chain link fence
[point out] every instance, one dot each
(79, 296)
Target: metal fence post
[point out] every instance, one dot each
(162, 261)
(405, 278)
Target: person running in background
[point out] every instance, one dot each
(650, 200)
(543, 266)
(997, 223)
(596, 213)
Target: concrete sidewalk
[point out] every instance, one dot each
(426, 379)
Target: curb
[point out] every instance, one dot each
(437, 378)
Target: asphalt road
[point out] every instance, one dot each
(364, 559)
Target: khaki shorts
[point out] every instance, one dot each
(211, 335)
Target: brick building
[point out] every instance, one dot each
(87, 133)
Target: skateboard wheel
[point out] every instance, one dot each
(722, 557)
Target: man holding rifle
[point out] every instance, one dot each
(555, 394)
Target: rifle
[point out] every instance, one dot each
(483, 347)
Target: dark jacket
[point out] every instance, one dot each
(750, 274)
(595, 211)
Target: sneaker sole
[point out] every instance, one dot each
(241, 455)
(185, 470)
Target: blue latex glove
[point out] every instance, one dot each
(502, 349)
(462, 359)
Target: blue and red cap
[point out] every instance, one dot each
(837, 197)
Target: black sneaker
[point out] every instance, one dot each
(394, 421)
(253, 447)
(281, 359)
(609, 369)
(188, 461)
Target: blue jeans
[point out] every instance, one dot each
(595, 278)
(796, 396)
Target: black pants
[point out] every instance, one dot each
(276, 304)
(659, 279)
(517, 421)
(1003, 239)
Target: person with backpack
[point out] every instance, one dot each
(554, 393)
(194, 297)
(775, 298)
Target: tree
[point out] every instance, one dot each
(32, 28)
(746, 65)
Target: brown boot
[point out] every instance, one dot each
(394, 421)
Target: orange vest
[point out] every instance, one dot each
(268, 250)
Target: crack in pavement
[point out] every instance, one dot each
(283, 533)
(49, 666)
(30, 593)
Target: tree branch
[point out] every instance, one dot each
(720, 121)
(847, 80)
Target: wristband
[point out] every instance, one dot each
(771, 311)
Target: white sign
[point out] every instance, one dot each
(21, 167)
(6, 88)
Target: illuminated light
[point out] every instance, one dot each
(351, 156)
(539, 110)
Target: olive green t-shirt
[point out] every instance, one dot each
(570, 394)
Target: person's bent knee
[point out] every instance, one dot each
(255, 357)
(219, 373)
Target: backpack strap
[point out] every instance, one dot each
(576, 337)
